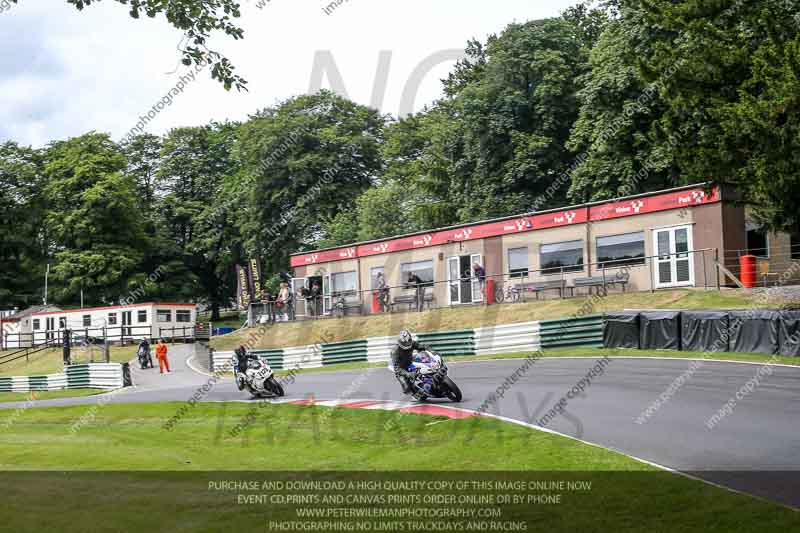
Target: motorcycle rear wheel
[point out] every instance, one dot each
(451, 390)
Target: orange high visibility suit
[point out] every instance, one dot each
(161, 353)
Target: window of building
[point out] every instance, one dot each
(757, 241)
(62, 322)
(112, 319)
(37, 324)
(164, 315)
(518, 261)
(344, 282)
(561, 255)
(619, 250)
(87, 320)
(183, 315)
(141, 316)
(423, 270)
(794, 243)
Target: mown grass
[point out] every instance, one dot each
(47, 395)
(286, 335)
(626, 495)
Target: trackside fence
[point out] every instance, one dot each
(106, 376)
(507, 338)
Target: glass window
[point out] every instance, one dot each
(112, 319)
(164, 315)
(567, 255)
(87, 320)
(518, 261)
(618, 250)
(183, 315)
(422, 269)
(62, 322)
(344, 282)
(141, 316)
(36, 323)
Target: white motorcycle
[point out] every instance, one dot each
(431, 379)
(259, 379)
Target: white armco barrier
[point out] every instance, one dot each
(509, 338)
(221, 359)
(302, 357)
(379, 349)
(106, 376)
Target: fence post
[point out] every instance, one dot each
(563, 283)
(716, 267)
(652, 278)
(66, 347)
(705, 272)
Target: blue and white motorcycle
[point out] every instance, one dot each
(431, 379)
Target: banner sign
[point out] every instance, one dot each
(256, 283)
(243, 289)
(578, 215)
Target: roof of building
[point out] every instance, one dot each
(112, 307)
(662, 200)
(31, 311)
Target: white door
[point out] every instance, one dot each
(327, 303)
(299, 302)
(674, 264)
(477, 293)
(454, 280)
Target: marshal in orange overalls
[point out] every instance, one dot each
(161, 353)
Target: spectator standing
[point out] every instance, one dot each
(284, 295)
(316, 295)
(383, 292)
(479, 272)
(414, 282)
(161, 354)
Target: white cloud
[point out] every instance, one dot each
(64, 72)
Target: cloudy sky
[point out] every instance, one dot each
(65, 72)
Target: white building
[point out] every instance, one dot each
(116, 323)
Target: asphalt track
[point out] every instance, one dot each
(754, 449)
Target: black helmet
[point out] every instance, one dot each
(405, 340)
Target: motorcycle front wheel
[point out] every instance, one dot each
(451, 390)
(276, 387)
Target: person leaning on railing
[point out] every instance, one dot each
(414, 282)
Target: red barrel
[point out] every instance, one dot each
(747, 265)
(489, 291)
(376, 302)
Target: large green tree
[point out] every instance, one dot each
(729, 73)
(96, 236)
(616, 150)
(198, 234)
(302, 163)
(22, 231)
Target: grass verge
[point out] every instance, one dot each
(47, 395)
(52, 362)
(334, 445)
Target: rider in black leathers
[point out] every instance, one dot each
(402, 357)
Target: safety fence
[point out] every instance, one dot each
(107, 376)
(586, 331)
(509, 338)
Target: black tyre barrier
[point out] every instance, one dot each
(748, 331)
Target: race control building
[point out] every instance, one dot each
(666, 239)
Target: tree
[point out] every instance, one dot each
(302, 163)
(728, 72)
(96, 236)
(199, 233)
(197, 19)
(616, 151)
(22, 234)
